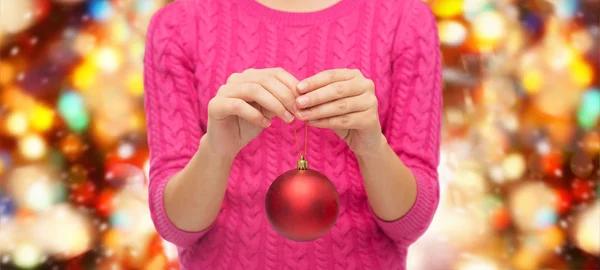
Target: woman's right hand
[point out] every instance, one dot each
(245, 105)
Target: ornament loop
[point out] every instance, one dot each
(302, 163)
(305, 140)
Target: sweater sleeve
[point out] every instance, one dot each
(171, 107)
(413, 125)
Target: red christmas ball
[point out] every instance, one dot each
(302, 205)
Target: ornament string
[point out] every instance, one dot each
(302, 163)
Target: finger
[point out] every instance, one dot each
(338, 107)
(222, 107)
(278, 89)
(329, 93)
(276, 80)
(268, 114)
(324, 78)
(281, 74)
(253, 92)
(355, 120)
(286, 78)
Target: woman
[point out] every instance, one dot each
(227, 81)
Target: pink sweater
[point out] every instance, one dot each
(194, 45)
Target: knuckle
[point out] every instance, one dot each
(332, 75)
(236, 105)
(340, 89)
(369, 84)
(344, 120)
(221, 90)
(264, 79)
(253, 87)
(355, 71)
(233, 77)
(289, 99)
(374, 101)
(245, 90)
(342, 104)
(212, 103)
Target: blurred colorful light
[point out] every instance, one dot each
(7, 206)
(532, 80)
(477, 264)
(591, 142)
(41, 118)
(125, 150)
(526, 259)
(514, 166)
(583, 189)
(100, 10)
(586, 232)
(15, 16)
(565, 9)
(7, 73)
(34, 188)
(545, 217)
(119, 31)
(447, 8)
(489, 29)
(451, 33)
(589, 110)
(32, 146)
(84, 76)
(71, 232)
(135, 83)
(16, 123)
(529, 212)
(27, 256)
(107, 59)
(119, 219)
(39, 196)
(581, 72)
(551, 238)
(5, 160)
(581, 164)
(472, 8)
(72, 108)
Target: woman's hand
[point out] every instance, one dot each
(245, 105)
(343, 100)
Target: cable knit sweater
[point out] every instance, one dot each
(192, 48)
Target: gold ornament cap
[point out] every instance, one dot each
(302, 163)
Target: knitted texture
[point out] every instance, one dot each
(194, 45)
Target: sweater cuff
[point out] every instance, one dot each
(165, 228)
(415, 222)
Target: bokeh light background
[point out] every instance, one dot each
(520, 156)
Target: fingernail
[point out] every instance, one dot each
(302, 86)
(294, 107)
(266, 122)
(302, 101)
(289, 116)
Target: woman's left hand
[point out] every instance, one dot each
(344, 101)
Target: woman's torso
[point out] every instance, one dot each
(235, 35)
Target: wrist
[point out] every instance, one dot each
(211, 149)
(376, 150)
